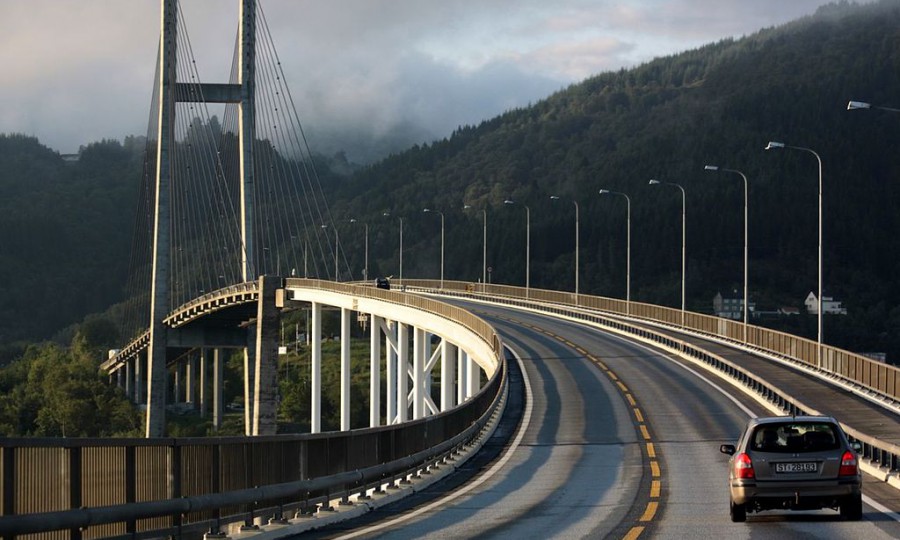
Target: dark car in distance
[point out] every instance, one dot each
(793, 463)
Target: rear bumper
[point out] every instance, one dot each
(794, 495)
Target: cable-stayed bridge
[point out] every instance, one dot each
(612, 422)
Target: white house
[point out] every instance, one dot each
(731, 308)
(830, 306)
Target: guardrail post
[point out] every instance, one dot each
(74, 454)
(9, 480)
(130, 484)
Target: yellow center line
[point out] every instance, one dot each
(650, 511)
(645, 433)
(638, 415)
(655, 485)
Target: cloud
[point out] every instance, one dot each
(76, 71)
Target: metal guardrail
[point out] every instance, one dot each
(97, 488)
(874, 376)
(883, 454)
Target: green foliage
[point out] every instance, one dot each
(52, 391)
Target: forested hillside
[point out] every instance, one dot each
(65, 228)
(65, 233)
(719, 104)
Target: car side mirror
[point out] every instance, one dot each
(727, 449)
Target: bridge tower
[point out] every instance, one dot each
(170, 91)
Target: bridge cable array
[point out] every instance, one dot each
(293, 229)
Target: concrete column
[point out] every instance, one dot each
(190, 380)
(217, 387)
(448, 375)
(462, 374)
(268, 322)
(473, 377)
(129, 378)
(315, 421)
(205, 355)
(390, 349)
(345, 369)
(140, 388)
(120, 377)
(249, 376)
(176, 398)
(402, 372)
(375, 370)
(419, 361)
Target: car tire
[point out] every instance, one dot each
(851, 508)
(738, 512)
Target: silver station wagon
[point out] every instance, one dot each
(793, 463)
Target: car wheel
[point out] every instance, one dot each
(739, 512)
(851, 508)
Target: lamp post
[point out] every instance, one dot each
(627, 248)
(746, 248)
(388, 214)
(442, 241)
(856, 105)
(483, 247)
(366, 263)
(779, 145)
(527, 247)
(555, 198)
(683, 240)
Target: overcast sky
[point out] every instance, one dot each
(76, 71)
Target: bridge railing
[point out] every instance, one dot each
(883, 454)
(870, 374)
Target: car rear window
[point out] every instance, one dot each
(795, 437)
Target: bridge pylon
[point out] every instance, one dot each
(171, 91)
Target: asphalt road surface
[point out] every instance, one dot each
(616, 440)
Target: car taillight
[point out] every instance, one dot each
(848, 464)
(743, 467)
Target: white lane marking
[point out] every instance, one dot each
(520, 434)
(866, 499)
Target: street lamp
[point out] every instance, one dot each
(683, 240)
(627, 248)
(746, 249)
(442, 241)
(388, 214)
(366, 264)
(779, 145)
(527, 247)
(555, 198)
(856, 105)
(483, 248)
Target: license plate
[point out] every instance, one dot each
(795, 467)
